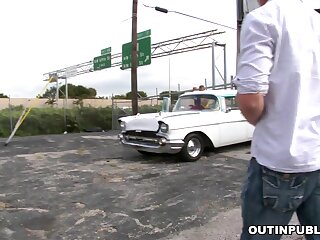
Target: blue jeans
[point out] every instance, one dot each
(271, 198)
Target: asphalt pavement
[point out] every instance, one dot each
(88, 186)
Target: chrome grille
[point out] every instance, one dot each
(147, 134)
(143, 137)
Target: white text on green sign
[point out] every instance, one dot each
(143, 53)
(106, 51)
(102, 62)
(143, 34)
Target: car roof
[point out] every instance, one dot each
(221, 92)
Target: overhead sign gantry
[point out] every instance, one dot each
(179, 45)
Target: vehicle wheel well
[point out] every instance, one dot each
(207, 142)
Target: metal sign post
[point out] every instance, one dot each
(26, 111)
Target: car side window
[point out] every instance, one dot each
(231, 102)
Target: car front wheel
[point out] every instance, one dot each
(193, 147)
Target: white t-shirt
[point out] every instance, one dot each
(280, 58)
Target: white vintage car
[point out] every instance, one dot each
(199, 120)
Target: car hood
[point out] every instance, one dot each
(150, 121)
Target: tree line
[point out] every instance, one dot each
(81, 92)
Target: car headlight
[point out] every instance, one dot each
(164, 127)
(122, 125)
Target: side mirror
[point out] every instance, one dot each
(228, 109)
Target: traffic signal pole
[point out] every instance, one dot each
(134, 84)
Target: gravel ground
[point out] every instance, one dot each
(225, 226)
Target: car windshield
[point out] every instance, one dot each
(203, 102)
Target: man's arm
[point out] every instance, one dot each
(251, 106)
(254, 65)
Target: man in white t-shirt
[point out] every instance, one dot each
(278, 83)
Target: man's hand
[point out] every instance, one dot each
(251, 106)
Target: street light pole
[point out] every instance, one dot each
(134, 84)
(164, 10)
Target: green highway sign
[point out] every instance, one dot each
(102, 62)
(143, 55)
(143, 34)
(106, 51)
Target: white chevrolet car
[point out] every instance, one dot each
(199, 120)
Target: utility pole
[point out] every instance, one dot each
(240, 16)
(243, 8)
(134, 84)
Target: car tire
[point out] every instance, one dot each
(193, 147)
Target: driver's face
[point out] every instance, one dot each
(204, 101)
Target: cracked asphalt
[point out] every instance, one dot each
(88, 186)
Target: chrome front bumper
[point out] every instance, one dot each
(149, 144)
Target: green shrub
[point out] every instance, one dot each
(50, 120)
(89, 118)
(150, 109)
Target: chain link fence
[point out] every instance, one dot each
(123, 107)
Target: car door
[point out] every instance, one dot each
(234, 127)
